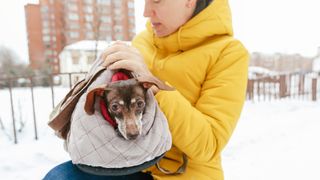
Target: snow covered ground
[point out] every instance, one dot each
(273, 140)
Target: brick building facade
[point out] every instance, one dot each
(53, 24)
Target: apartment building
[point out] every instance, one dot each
(281, 63)
(54, 24)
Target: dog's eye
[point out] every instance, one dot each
(115, 107)
(140, 104)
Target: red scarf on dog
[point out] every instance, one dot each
(103, 107)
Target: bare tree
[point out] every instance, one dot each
(96, 26)
(8, 60)
(11, 66)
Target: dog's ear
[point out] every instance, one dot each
(91, 98)
(148, 81)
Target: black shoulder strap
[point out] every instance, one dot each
(180, 170)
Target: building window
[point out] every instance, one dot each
(48, 53)
(45, 16)
(102, 34)
(131, 5)
(44, 9)
(73, 16)
(45, 31)
(56, 68)
(119, 37)
(47, 45)
(117, 28)
(88, 1)
(90, 35)
(117, 12)
(108, 38)
(54, 45)
(72, 6)
(105, 28)
(74, 34)
(73, 26)
(90, 58)
(88, 9)
(117, 3)
(104, 2)
(105, 19)
(132, 30)
(103, 10)
(131, 21)
(75, 55)
(88, 26)
(46, 38)
(89, 18)
(130, 13)
(45, 24)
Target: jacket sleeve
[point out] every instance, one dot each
(203, 129)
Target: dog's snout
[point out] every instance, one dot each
(132, 136)
(132, 131)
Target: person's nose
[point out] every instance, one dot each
(148, 11)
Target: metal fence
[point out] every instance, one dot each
(50, 81)
(303, 86)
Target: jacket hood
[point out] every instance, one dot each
(212, 21)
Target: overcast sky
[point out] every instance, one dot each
(287, 26)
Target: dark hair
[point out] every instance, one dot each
(201, 4)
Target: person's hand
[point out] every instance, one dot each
(154, 89)
(123, 56)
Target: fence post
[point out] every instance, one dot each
(33, 109)
(70, 80)
(283, 86)
(301, 84)
(12, 112)
(250, 89)
(264, 88)
(52, 91)
(314, 89)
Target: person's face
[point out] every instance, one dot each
(166, 16)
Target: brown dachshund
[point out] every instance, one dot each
(125, 101)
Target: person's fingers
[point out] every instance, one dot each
(119, 47)
(120, 55)
(112, 49)
(124, 64)
(122, 43)
(130, 48)
(123, 46)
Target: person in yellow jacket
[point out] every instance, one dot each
(190, 45)
(193, 49)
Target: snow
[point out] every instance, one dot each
(316, 64)
(90, 45)
(262, 72)
(273, 140)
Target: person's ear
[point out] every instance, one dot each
(191, 3)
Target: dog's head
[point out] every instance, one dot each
(126, 102)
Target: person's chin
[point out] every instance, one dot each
(160, 34)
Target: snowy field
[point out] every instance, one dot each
(273, 140)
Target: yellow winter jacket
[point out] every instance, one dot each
(208, 69)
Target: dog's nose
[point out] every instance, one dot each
(132, 136)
